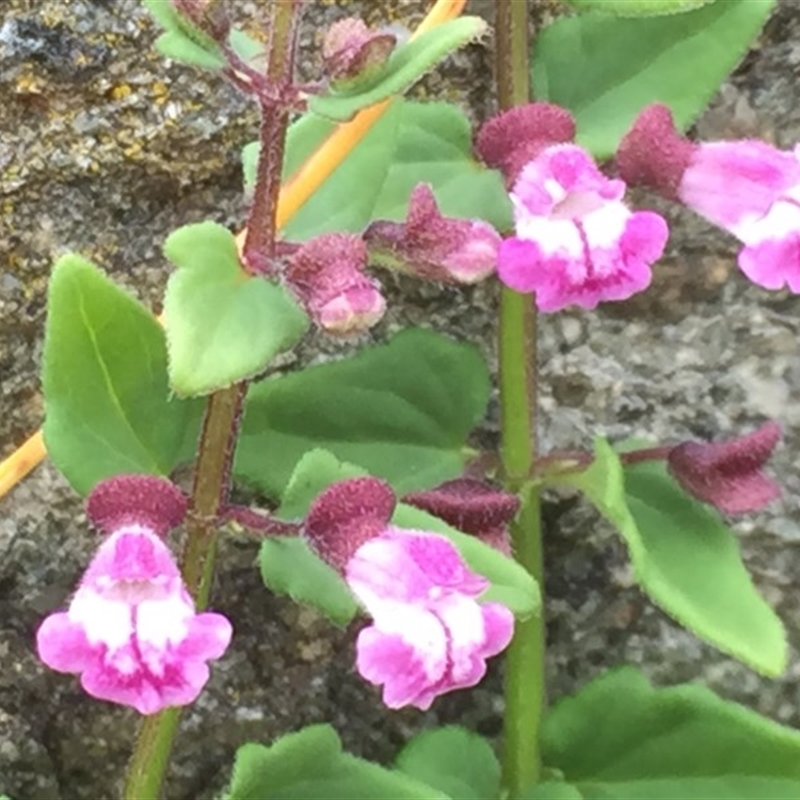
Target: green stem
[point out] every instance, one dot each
(525, 662)
(150, 758)
(223, 413)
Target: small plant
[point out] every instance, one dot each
(373, 503)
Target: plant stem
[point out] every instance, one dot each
(259, 242)
(525, 662)
(150, 758)
(223, 413)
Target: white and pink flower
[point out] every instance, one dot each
(131, 630)
(576, 241)
(429, 633)
(748, 187)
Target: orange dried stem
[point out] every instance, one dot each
(21, 462)
(309, 177)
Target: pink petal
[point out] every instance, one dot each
(728, 182)
(517, 263)
(773, 263)
(498, 624)
(644, 240)
(208, 637)
(133, 553)
(63, 645)
(389, 660)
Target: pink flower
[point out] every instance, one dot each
(327, 274)
(432, 246)
(131, 630)
(577, 242)
(728, 475)
(746, 187)
(429, 634)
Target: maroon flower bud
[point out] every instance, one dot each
(327, 274)
(510, 140)
(473, 507)
(345, 516)
(353, 54)
(728, 475)
(144, 500)
(653, 153)
(432, 246)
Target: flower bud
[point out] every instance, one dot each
(728, 475)
(136, 499)
(345, 515)
(327, 274)
(353, 55)
(473, 507)
(434, 247)
(510, 140)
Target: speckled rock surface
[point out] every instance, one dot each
(103, 150)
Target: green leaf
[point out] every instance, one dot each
(730, 787)
(605, 70)
(685, 559)
(310, 765)
(289, 567)
(407, 64)
(178, 46)
(107, 405)
(454, 760)
(400, 411)
(222, 324)
(681, 731)
(245, 46)
(551, 790)
(511, 584)
(638, 8)
(412, 143)
(182, 40)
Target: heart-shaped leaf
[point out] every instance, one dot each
(685, 558)
(182, 40)
(400, 411)
(456, 761)
(605, 70)
(289, 567)
(107, 404)
(407, 64)
(679, 731)
(222, 325)
(311, 764)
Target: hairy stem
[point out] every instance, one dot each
(259, 243)
(223, 413)
(525, 663)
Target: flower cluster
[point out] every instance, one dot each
(576, 242)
